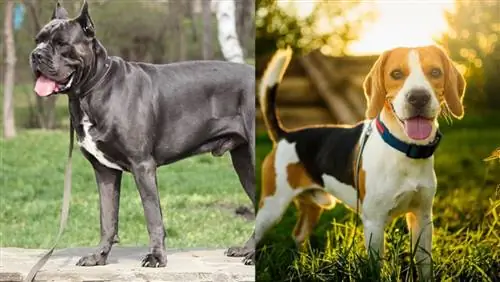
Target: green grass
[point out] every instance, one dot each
(198, 196)
(466, 218)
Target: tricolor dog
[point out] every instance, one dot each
(381, 167)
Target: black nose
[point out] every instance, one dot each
(419, 98)
(36, 56)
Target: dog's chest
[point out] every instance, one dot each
(395, 183)
(91, 147)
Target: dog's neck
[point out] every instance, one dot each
(92, 74)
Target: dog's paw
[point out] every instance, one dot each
(238, 251)
(249, 259)
(91, 260)
(151, 260)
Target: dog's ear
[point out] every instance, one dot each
(374, 87)
(454, 85)
(59, 12)
(85, 21)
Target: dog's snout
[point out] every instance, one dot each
(36, 55)
(419, 98)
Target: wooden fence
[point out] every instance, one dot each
(318, 89)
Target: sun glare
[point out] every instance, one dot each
(398, 23)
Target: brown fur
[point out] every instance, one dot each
(268, 186)
(380, 88)
(298, 176)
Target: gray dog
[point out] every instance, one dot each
(134, 117)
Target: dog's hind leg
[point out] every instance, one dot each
(309, 215)
(108, 181)
(244, 163)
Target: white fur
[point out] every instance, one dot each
(415, 80)
(396, 185)
(88, 144)
(277, 67)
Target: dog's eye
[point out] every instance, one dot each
(397, 74)
(59, 42)
(436, 73)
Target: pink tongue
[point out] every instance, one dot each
(45, 86)
(418, 128)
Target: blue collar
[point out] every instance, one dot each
(412, 151)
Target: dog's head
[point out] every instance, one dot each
(411, 85)
(64, 48)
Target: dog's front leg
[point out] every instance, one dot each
(108, 182)
(145, 179)
(420, 225)
(373, 228)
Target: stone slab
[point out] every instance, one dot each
(186, 265)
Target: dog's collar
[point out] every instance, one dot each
(107, 65)
(412, 151)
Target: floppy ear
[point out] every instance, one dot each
(85, 21)
(454, 86)
(59, 12)
(374, 87)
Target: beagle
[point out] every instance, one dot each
(381, 167)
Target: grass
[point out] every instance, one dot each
(466, 219)
(199, 195)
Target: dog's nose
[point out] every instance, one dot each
(36, 56)
(419, 98)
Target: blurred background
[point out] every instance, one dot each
(156, 31)
(335, 44)
(34, 138)
(342, 39)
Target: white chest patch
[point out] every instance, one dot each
(90, 146)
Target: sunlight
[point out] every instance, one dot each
(398, 23)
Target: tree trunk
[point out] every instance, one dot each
(182, 6)
(173, 30)
(228, 37)
(207, 44)
(9, 128)
(45, 113)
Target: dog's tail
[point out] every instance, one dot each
(268, 91)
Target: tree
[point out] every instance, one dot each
(472, 41)
(207, 46)
(10, 68)
(226, 29)
(340, 23)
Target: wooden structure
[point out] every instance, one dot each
(318, 89)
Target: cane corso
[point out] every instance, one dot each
(135, 117)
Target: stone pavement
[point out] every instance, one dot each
(124, 265)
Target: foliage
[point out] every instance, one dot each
(331, 25)
(466, 218)
(472, 41)
(137, 30)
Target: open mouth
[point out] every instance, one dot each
(45, 86)
(417, 127)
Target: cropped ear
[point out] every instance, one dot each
(59, 12)
(374, 87)
(454, 86)
(85, 21)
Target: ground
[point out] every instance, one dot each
(466, 218)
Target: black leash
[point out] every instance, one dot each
(64, 210)
(356, 177)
